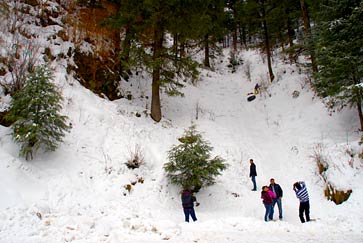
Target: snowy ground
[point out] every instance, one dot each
(77, 193)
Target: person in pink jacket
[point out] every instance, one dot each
(267, 199)
(271, 193)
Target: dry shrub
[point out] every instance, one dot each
(136, 158)
(128, 187)
(319, 159)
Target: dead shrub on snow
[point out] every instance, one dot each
(136, 158)
(319, 159)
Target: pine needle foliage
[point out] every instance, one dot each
(339, 53)
(190, 164)
(339, 42)
(36, 112)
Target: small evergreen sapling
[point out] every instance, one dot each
(35, 110)
(190, 164)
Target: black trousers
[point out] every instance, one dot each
(304, 208)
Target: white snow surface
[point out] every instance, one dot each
(77, 193)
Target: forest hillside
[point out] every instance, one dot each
(84, 191)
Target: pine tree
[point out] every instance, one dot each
(35, 110)
(283, 21)
(129, 20)
(211, 28)
(146, 25)
(261, 14)
(190, 164)
(339, 54)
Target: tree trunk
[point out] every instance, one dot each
(281, 39)
(125, 54)
(175, 46)
(290, 32)
(359, 95)
(235, 31)
(126, 45)
(243, 36)
(206, 52)
(182, 49)
(157, 56)
(360, 114)
(267, 44)
(235, 39)
(306, 19)
(155, 100)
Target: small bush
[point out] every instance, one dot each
(128, 187)
(234, 62)
(319, 159)
(295, 94)
(136, 158)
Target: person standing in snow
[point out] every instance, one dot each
(303, 196)
(188, 200)
(256, 90)
(267, 200)
(276, 188)
(253, 174)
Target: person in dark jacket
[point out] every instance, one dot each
(276, 188)
(256, 90)
(267, 201)
(253, 174)
(303, 196)
(188, 200)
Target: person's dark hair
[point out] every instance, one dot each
(297, 185)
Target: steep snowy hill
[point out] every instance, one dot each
(77, 194)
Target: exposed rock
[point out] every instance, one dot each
(335, 195)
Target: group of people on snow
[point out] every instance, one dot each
(270, 195)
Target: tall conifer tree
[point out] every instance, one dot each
(211, 27)
(148, 47)
(36, 112)
(190, 164)
(340, 54)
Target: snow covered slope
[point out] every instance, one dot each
(77, 193)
